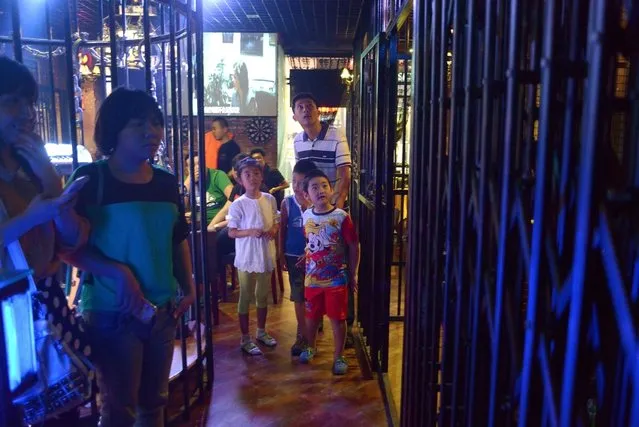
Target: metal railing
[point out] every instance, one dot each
(166, 50)
(524, 258)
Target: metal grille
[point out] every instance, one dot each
(163, 57)
(524, 266)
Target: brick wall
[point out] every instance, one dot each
(237, 125)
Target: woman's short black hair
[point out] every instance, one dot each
(121, 106)
(257, 150)
(16, 78)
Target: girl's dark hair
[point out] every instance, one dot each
(16, 78)
(117, 110)
(238, 158)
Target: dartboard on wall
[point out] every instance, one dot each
(260, 130)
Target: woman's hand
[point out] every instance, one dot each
(31, 148)
(129, 293)
(184, 305)
(42, 210)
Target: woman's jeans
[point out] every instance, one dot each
(133, 364)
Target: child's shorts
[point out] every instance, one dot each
(296, 278)
(331, 301)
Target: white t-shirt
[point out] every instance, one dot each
(253, 254)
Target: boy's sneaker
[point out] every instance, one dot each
(250, 348)
(307, 355)
(298, 347)
(266, 339)
(340, 367)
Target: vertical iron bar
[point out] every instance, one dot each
(466, 144)
(431, 255)
(199, 61)
(449, 276)
(70, 53)
(113, 44)
(510, 136)
(17, 30)
(52, 112)
(125, 45)
(542, 179)
(175, 118)
(589, 138)
(148, 78)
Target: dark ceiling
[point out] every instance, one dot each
(306, 27)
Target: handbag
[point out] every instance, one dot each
(64, 376)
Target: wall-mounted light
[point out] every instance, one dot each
(346, 76)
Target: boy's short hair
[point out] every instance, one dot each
(315, 173)
(303, 95)
(247, 162)
(257, 150)
(222, 121)
(238, 158)
(304, 166)
(122, 105)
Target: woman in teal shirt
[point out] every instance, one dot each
(137, 252)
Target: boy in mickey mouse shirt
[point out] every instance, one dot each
(332, 259)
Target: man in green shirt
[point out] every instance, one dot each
(218, 188)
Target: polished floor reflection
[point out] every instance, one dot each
(273, 390)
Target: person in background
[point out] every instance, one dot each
(332, 261)
(328, 148)
(275, 182)
(229, 148)
(212, 147)
(253, 222)
(35, 211)
(218, 188)
(137, 255)
(292, 243)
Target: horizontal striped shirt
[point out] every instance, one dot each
(328, 151)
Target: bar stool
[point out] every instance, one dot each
(227, 260)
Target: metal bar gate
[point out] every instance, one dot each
(523, 278)
(154, 45)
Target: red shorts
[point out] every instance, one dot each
(331, 301)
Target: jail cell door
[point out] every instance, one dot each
(374, 205)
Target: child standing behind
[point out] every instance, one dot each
(253, 222)
(292, 243)
(332, 259)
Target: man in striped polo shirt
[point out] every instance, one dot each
(325, 145)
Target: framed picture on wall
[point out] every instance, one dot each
(252, 44)
(227, 38)
(272, 39)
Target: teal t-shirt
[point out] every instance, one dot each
(135, 224)
(215, 198)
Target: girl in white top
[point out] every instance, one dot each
(254, 223)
